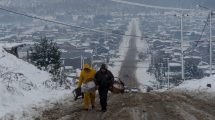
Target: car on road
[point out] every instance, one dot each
(135, 90)
(126, 89)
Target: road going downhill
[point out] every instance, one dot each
(128, 68)
(135, 106)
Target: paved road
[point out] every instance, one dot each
(128, 68)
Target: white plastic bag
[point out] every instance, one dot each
(88, 87)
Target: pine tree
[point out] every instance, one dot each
(46, 56)
(192, 71)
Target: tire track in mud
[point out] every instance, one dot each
(139, 106)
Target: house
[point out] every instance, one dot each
(204, 66)
(66, 46)
(74, 60)
(175, 71)
(194, 59)
(102, 50)
(13, 48)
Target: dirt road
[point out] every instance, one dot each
(139, 106)
(136, 106)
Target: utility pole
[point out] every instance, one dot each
(81, 62)
(161, 71)
(182, 52)
(92, 59)
(168, 69)
(210, 43)
(168, 72)
(105, 34)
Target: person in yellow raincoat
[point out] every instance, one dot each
(87, 74)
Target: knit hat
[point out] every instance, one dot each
(103, 66)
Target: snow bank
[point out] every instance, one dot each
(22, 85)
(144, 78)
(198, 89)
(198, 85)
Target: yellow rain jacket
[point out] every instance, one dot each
(89, 97)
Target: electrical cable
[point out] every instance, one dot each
(64, 24)
(200, 37)
(75, 26)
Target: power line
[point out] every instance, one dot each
(64, 24)
(197, 43)
(75, 26)
(138, 61)
(123, 67)
(85, 28)
(46, 20)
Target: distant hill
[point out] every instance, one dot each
(177, 3)
(79, 3)
(53, 7)
(210, 4)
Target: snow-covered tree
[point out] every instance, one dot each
(192, 71)
(46, 56)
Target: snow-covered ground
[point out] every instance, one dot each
(148, 6)
(29, 89)
(22, 89)
(22, 86)
(33, 29)
(198, 85)
(198, 89)
(144, 78)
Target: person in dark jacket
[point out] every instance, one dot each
(104, 80)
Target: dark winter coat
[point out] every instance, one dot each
(104, 80)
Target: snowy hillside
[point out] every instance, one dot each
(189, 4)
(21, 85)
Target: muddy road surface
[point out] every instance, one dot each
(138, 106)
(135, 106)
